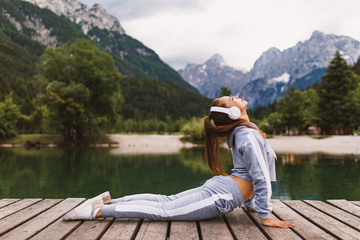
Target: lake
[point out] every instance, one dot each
(86, 172)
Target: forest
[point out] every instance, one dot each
(77, 90)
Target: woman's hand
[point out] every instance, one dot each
(270, 222)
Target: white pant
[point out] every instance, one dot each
(219, 195)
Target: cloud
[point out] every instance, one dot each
(191, 31)
(133, 9)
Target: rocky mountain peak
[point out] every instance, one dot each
(81, 14)
(211, 75)
(216, 59)
(317, 35)
(275, 70)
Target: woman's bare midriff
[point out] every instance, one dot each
(245, 187)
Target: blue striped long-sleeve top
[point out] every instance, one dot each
(254, 160)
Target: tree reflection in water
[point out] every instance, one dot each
(85, 172)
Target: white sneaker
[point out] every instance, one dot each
(86, 209)
(84, 212)
(105, 197)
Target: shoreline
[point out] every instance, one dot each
(172, 144)
(337, 145)
(166, 144)
(148, 144)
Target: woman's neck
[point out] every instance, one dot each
(245, 116)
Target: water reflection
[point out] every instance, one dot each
(317, 176)
(84, 172)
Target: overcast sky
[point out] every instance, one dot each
(191, 31)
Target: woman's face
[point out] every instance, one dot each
(234, 101)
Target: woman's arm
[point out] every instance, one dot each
(252, 151)
(254, 155)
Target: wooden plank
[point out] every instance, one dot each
(121, 229)
(60, 228)
(329, 224)
(152, 230)
(57, 230)
(356, 203)
(20, 217)
(17, 206)
(41, 221)
(90, 229)
(346, 206)
(274, 232)
(7, 201)
(215, 228)
(242, 226)
(337, 213)
(183, 230)
(302, 226)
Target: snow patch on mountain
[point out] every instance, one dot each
(284, 78)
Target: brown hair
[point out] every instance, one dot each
(222, 127)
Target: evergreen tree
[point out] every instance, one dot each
(225, 91)
(356, 67)
(291, 108)
(352, 102)
(335, 85)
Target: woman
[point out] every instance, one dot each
(248, 185)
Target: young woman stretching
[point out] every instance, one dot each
(248, 185)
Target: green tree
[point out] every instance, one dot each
(291, 108)
(9, 115)
(352, 102)
(193, 130)
(225, 91)
(332, 91)
(356, 67)
(310, 107)
(83, 91)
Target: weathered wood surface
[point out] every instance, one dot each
(302, 226)
(321, 219)
(346, 206)
(152, 230)
(42, 219)
(184, 230)
(214, 229)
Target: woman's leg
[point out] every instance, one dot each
(195, 204)
(154, 197)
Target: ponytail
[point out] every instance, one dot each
(223, 127)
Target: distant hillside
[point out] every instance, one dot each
(26, 30)
(150, 99)
(43, 26)
(132, 58)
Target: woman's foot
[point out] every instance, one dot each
(88, 207)
(85, 212)
(105, 197)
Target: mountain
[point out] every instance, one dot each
(274, 71)
(210, 76)
(49, 27)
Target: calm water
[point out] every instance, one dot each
(85, 172)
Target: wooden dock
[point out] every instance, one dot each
(42, 219)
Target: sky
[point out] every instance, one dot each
(191, 31)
